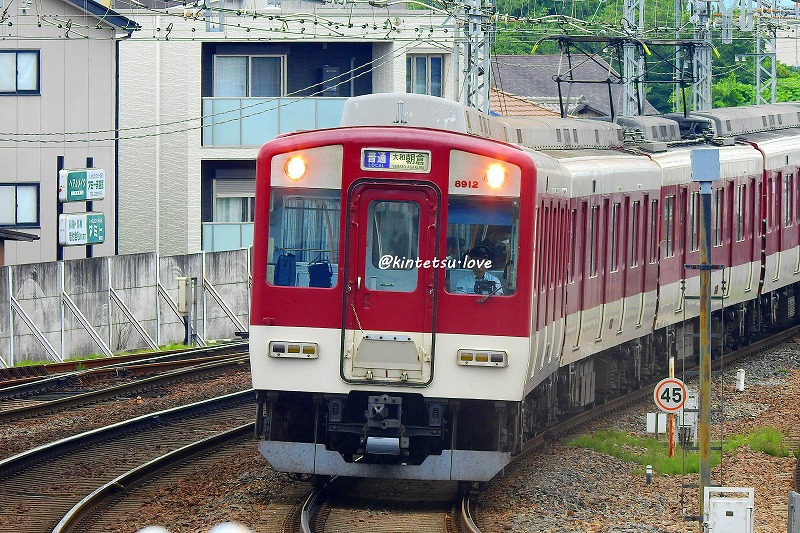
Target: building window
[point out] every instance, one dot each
(248, 76)
(19, 72)
(424, 74)
(19, 204)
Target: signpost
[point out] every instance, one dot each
(670, 395)
(81, 229)
(81, 185)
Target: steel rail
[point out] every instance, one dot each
(28, 458)
(466, 516)
(314, 503)
(50, 382)
(579, 419)
(118, 390)
(136, 476)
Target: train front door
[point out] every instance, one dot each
(387, 331)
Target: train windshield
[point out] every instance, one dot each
(303, 237)
(482, 239)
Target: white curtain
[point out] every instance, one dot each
(230, 76)
(27, 71)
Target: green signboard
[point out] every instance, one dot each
(81, 185)
(80, 229)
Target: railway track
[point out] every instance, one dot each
(363, 505)
(107, 506)
(18, 382)
(42, 400)
(42, 486)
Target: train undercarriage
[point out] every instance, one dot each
(406, 429)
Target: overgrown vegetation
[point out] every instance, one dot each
(733, 82)
(163, 348)
(649, 451)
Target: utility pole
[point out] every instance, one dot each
(633, 61)
(478, 33)
(705, 170)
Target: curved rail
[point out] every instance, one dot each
(466, 516)
(118, 390)
(89, 366)
(36, 455)
(135, 476)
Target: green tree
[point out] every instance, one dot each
(730, 92)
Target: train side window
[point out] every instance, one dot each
(635, 221)
(669, 226)
(788, 215)
(593, 229)
(694, 222)
(653, 215)
(573, 243)
(614, 237)
(492, 223)
(303, 232)
(739, 214)
(719, 206)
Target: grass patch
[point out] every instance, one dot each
(649, 451)
(27, 362)
(84, 357)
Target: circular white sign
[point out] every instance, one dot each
(670, 394)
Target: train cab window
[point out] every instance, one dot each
(393, 231)
(491, 224)
(303, 237)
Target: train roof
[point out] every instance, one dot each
(404, 109)
(571, 136)
(546, 133)
(736, 121)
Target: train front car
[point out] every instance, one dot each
(379, 347)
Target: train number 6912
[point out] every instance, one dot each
(466, 184)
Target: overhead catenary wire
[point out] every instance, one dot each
(394, 54)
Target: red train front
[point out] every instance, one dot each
(379, 347)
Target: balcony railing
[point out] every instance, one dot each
(254, 121)
(221, 236)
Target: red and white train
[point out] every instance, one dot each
(374, 350)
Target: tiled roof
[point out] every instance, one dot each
(532, 77)
(510, 105)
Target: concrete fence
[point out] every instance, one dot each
(54, 311)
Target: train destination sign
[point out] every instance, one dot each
(670, 395)
(406, 161)
(77, 229)
(81, 185)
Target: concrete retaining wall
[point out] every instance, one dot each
(41, 290)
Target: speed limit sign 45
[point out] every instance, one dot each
(670, 395)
